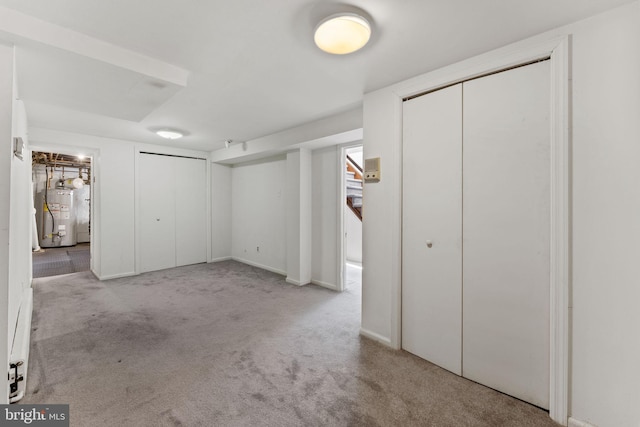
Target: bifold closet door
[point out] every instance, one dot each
(191, 211)
(432, 227)
(506, 232)
(157, 220)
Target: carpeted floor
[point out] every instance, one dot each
(230, 345)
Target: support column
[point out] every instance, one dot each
(298, 202)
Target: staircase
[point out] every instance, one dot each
(354, 187)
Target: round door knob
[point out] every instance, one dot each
(157, 219)
(429, 244)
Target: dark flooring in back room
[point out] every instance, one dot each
(227, 344)
(57, 261)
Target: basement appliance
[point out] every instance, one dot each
(58, 218)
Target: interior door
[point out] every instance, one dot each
(157, 212)
(432, 228)
(191, 210)
(506, 229)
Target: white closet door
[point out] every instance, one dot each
(191, 211)
(157, 212)
(432, 212)
(506, 199)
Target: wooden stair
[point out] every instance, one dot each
(354, 187)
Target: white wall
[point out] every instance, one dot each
(353, 229)
(220, 212)
(606, 207)
(15, 209)
(606, 226)
(258, 213)
(324, 217)
(380, 242)
(113, 252)
(113, 227)
(298, 216)
(21, 216)
(6, 105)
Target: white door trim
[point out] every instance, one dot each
(96, 234)
(557, 49)
(342, 195)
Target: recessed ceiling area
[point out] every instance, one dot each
(253, 68)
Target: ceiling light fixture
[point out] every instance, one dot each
(342, 33)
(169, 134)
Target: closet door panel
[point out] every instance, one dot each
(157, 212)
(432, 214)
(506, 220)
(191, 211)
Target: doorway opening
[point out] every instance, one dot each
(61, 240)
(352, 211)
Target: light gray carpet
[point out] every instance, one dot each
(230, 345)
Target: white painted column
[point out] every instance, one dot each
(220, 212)
(298, 202)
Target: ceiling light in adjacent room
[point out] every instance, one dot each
(169, 134)
(342, 33)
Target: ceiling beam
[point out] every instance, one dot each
(18, 27)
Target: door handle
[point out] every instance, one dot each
(429, 244)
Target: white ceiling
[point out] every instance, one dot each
(252, 67)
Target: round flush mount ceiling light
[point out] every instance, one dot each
(169, 133)
(342, 33)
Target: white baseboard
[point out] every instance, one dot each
(325, 285)
(577, 423)
(264, 267)
(293, 281)
(224, 258)
(376, 337)
(114, 276)
(296, 282)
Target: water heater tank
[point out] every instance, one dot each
(58, 218)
